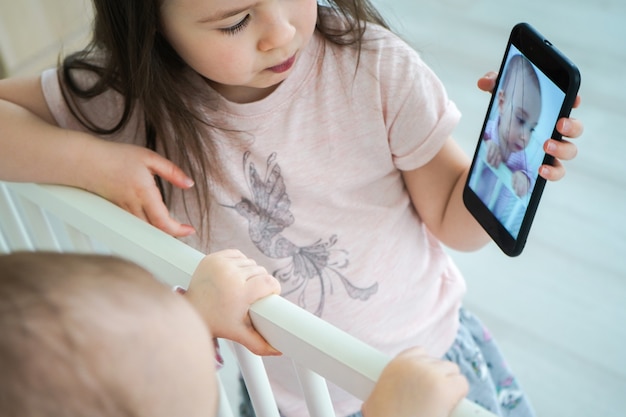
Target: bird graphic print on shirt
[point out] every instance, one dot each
(268, 215)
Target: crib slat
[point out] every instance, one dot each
(255, 377)
(224, 409)
(40, 231)
(11, 224)
(315, 392)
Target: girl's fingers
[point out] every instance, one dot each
(569, 127)
(488, 81)
(157, 215)
(552, 172)
(170, 172)
(563, 150)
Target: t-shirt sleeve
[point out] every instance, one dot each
(418, 113)
(56, 103)
(103, 111)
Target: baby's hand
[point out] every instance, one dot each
(494, 156)
(415, 384)
(222, 289)
(562, 150)
(125, 175)
(520, 183)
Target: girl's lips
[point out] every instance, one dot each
(285, 66)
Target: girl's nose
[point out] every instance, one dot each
(278, 33)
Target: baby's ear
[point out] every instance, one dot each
(501, 97)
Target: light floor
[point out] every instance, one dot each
(558, 310)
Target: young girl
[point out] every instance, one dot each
(318, 142)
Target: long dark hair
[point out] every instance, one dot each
(129, 55)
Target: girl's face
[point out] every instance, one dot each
(244, 48)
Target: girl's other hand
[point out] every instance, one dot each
(125, 174)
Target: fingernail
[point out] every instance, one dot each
(566, 125)
(550, 146)
(189, 182)
(544, 171)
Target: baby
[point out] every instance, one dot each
(519, 109)
(87, 335)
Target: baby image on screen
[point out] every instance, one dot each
(511, 150)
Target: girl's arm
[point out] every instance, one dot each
(436, 189)
(33, 148)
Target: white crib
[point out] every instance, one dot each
(37, 217)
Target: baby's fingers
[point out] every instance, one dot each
(260, 286)
(255, 343)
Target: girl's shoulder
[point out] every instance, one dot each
(387, 57)
(386, 44)
(72, 111)
(374, 37)
(383, 61)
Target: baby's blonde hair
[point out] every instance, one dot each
(519, 63)
(59, 315)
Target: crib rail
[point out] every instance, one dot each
(37, 217)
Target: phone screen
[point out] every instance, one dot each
(536, 86)
(521, 118)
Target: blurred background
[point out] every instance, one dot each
(34, 32)
(559, 309)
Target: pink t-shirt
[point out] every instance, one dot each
(316, 195)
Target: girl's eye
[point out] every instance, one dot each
(237, 27)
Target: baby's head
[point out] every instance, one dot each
(519, 104)
(99, 336)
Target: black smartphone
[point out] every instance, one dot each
(536, 86)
